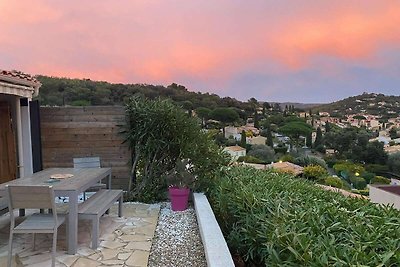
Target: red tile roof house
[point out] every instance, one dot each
(16, 92)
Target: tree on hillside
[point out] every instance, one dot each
(309, 140)
(393, 133)
(256, 120)
(375, 153)
(327, 127)
(243, 139)
(318, 138)
(294, 130)
(224, 115)
(266, 107)
(394, 163)
(204, 114)
(262, 152)
(270, 141)
(187, 105)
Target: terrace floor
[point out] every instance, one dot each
(124, 241)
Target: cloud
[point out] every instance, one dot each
(210, 45)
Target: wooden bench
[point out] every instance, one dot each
(95, 206)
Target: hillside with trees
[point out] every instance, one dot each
(369, 103)
(83, 92)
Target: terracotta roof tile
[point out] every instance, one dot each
(19, 75)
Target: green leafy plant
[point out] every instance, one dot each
(158, 134)
(180, 176)
(275, 219)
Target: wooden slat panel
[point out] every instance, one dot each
(98, 110)
(31, 197)
(72, 132)
(84, 118)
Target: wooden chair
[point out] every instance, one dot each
(33, 197)
(89, 162)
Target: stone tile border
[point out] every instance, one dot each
(215, 247)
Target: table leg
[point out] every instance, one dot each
(73, 223)
(21, 212)
(109, 181)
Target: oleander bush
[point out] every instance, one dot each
(277, 220)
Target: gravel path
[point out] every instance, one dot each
(177, 240)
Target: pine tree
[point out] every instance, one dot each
(327, 127)
(270, 142)
(243, 139)
(318, 138)
(309, 140)
(256, 121)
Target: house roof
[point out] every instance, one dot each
(235, 148)
(286, 167)
(18, 83)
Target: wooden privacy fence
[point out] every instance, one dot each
(73, 132)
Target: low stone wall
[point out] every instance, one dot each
(215, 247)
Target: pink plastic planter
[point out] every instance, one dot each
(179, 198)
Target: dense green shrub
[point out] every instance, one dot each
(249, 159)
(330, 161)
(281, 150)
(376, 168)
(358, 182)
(314, 172)
(287, 157)
(380, 180)
(394, 162)
(158, 134)
(368, 176)
(348, 168)
(334, 181)
(263, 152)
(276, 220)
(310, 160)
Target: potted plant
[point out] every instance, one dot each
(179, 180)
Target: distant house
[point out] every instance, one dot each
(16, 129)
(235, 151)
(233, 132)
(392, 149)
(287, 167)
(257, 140)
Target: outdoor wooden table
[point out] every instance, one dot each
(70, 187)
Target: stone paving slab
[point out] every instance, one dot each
(124, 241)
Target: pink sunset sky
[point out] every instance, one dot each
(299, 51)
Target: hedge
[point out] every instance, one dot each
(275, 219)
